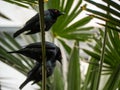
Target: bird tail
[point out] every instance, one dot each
(21, 51)
(23, 84)
(17, 33)
(13, 52)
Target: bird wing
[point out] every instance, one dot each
(33, 20)
(34, 69)
(48, 45)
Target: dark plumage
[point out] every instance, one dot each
(34, 51)
(35, 74)
(32, 25)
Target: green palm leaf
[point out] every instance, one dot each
(112, 58)
(74, 70)
(113, 19)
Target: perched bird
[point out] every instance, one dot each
(33, 26)
(35, 74)
(34, 51)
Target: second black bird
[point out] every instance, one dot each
(34, 51)
(33, 26)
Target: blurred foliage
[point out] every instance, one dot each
(113, 18)
(110, 14)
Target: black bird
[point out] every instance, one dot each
(34, 51)
(32, 25)
(35, 74)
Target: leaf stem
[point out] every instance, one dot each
(41, 20)
(102, 54)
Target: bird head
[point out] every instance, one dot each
(55, 13)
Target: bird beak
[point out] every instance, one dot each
(62, 13)
(60, 61)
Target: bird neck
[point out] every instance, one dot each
(53, 16)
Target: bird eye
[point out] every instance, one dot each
(56, 11)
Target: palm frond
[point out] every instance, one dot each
(113, 18)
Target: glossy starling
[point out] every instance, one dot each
(35, 74)
(33, 26)
(34, 51)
